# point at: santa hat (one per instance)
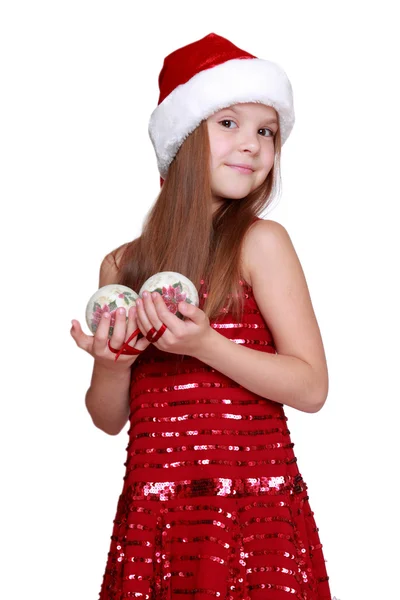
(202, 78)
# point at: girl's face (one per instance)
(241, 134)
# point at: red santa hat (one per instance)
(205, 76)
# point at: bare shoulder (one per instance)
(265, 231)
(109, 266)
(282, 295)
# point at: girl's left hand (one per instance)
(180, 337)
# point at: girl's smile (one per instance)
(241, 169)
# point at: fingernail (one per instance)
(145, 294)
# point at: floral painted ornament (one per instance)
(108, 299)
(174, 288)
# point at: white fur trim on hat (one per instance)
(232, 82)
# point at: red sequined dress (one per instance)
(213, 504)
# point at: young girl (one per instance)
(213, 504)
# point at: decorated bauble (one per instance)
(174, 288)
(108, 299)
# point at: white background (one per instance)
(78, 174)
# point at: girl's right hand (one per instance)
(97, 345)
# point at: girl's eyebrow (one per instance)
(267, 120)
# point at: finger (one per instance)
(172, 322)
(132, 326)
(142, 319)
(83, 341)
(146, 323)
(119, 328)
(101, 335)
(149, 315)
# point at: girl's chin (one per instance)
(232, 194)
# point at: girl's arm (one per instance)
(107, 399)
(297, 375)
(283, 379)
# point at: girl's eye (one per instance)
(227, 121)
(263, 129)
(266, 129)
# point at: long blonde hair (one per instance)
(181, 234)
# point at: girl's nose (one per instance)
(249, 141)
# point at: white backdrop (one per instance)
(78, 174)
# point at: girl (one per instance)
(213, 504)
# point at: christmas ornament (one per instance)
(174, 288)
(108, 299)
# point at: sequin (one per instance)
(213, 504)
